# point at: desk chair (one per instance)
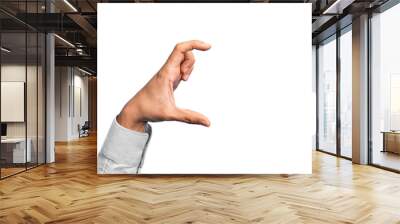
(84, 130)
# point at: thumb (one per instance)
(190, 117)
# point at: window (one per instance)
(385, 89)
(327, 96)
(346, 93)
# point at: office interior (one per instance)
(367, 79)
(48, 82)
(48, 100)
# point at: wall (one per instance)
(62, 80)
(17, 73)
(92, 87)
(34, 124)
(80, 109)
(14, 73)
(71, 102)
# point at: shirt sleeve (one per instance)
(123, 150)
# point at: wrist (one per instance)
(128, 118)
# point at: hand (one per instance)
(155, 101)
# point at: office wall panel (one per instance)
(16, 73)
(71, 102)
(12, 98)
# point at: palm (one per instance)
(178, 68)
(155, 101)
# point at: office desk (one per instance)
(13, 150)
(391, 141)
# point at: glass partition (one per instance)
(22, 77)
(385, 89)
(327, 96)
(346, 93)
(14, 153)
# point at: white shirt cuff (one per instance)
(123, 150)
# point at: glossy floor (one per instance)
(5, 172)
(70, 191)
(387, 159)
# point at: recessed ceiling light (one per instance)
(84, 71)
(70, 5)
(5, 50)
(65, 41)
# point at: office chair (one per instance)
(84, 130)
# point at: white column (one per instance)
(50, 93)
(360, 90)
(50, 99)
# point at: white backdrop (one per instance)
(254, 84)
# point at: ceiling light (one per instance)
(70, 5)
(5, 50)
(79, 51)
(84, 71)
(65, 41)
(338, 6)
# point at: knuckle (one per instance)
(178, 46)
(188, 119)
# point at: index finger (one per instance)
(178, 54)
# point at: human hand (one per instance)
(155, 101)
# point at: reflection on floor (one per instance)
(346, 152)
(13, 169)
(10, 171)
(70, 191)
(386, 159)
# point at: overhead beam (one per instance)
(49, 22)
(322, 20)
(84, 24)
(84, 61)
(15, 18)
(332, 29)
(338, 6)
